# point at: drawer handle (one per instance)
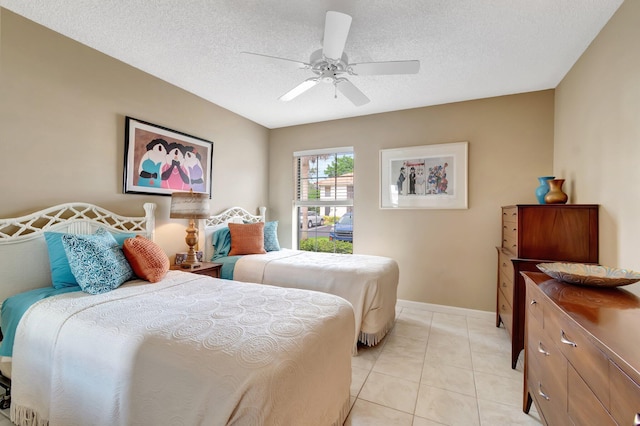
(563, 339)
(542, 394)
(533, 302)
(514, 229)
(541, 349)
(504, 264)
(504, 284)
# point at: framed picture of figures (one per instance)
(159, 161)
(424, 177)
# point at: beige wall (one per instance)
(446, 256)
(62, 114)
(62, 109)
(597, 135)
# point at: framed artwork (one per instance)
(424, 177)
(160, 161)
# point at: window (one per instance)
(324, 200)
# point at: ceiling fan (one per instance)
(330, 63)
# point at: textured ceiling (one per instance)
(468, 49)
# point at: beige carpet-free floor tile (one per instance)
(438, 368)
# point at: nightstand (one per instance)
(207, 268)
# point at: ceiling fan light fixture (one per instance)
(299, 89)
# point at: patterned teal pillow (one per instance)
(271, 236)
(61, 275)
(97, 261)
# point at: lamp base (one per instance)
(191, 262)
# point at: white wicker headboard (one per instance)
(233, 215)
(24, 259)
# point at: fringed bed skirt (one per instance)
(372, 339)
(24, 416)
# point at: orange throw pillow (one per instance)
(246, 238)
(148, 261)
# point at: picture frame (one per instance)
(182, 256)
(160, 161)
(424, 177)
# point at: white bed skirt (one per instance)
(368, 283)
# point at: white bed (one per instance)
(189, 349)
(368, 283)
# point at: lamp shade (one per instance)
(189, 205)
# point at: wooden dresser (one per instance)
(535, 233)
(582, 363)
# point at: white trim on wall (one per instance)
(321, 151)
(445, 309)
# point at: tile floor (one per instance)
(435, 368)
(438, 368)
(4, 418)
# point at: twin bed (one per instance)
(369, 283)
(188, 349)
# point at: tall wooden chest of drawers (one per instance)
(582, 365)
(535, 233)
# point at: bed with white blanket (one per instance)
(368, 282)
(188, 349)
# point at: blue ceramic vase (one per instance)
(542, 190)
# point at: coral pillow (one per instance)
(146, 258)
(246, 238)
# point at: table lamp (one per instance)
(190, 205)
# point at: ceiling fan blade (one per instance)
(336, 30)
(351, 92)
(385, 68)
(299, 89)
(275, 59)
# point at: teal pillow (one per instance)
(121, 237)
(96, 261)
(221, 240)
(61, 275)
(271, 236)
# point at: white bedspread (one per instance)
(189, 350)
(369, 283)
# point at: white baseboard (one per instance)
(446, 309)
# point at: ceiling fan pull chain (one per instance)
(335, 90)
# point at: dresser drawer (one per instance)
(533, 380)
(625, 396)
(583, 406)
(580, 352)
(505, 264)
(550, 404)
(510, 229)
(510, 214)
(506, 286)
(506, 312)
(535, 304)
(510, 244)
(543, 353)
